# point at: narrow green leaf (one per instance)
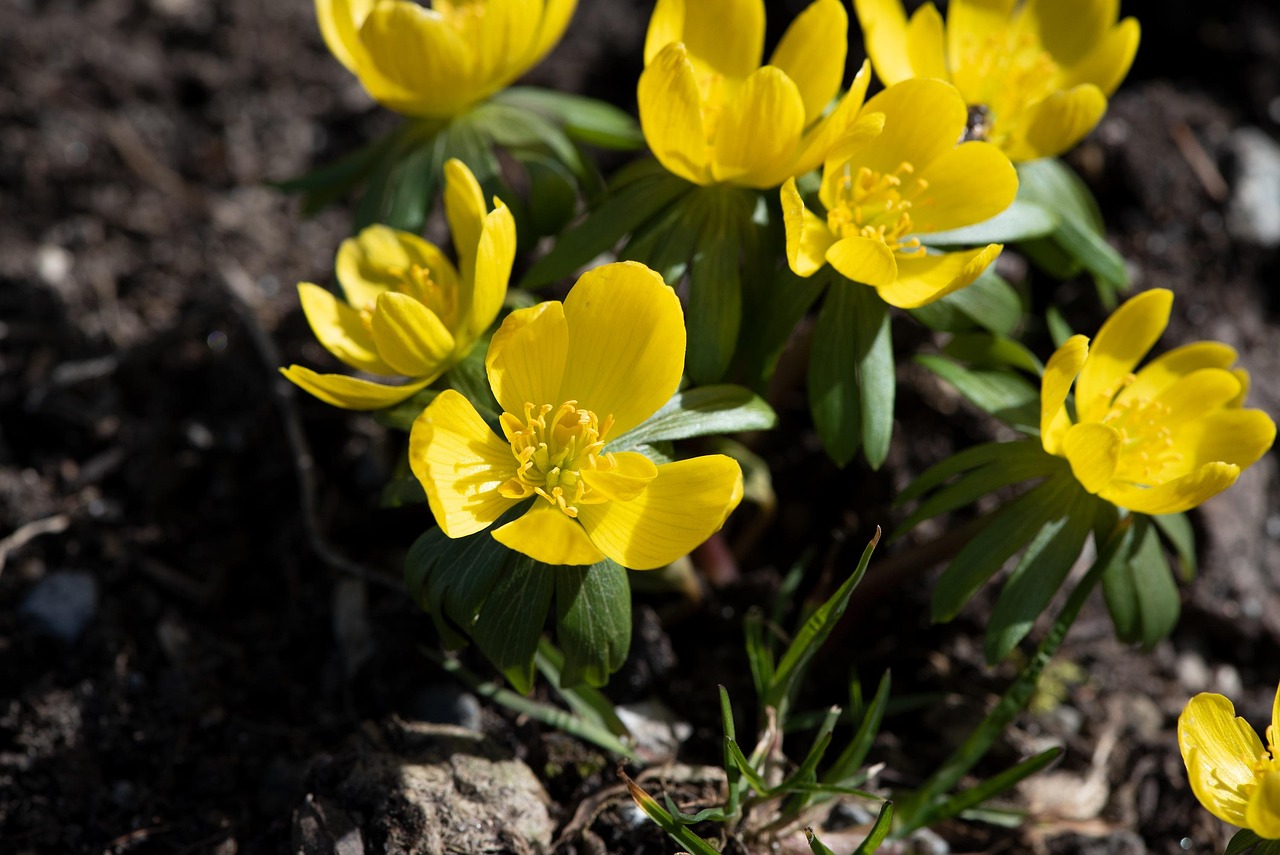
(879, 831)
(1059, 329)
(404, 414)
(1176, 529)
(679, 816)
(682, 835)
(553, 194)
(733, 779)
(758, 784)
(450, 579)
(969, 458)
(834, 400)
(593, 621)
(877, 384)
(1005, 395)
(770, 322)
(1008, 531)
(622, 212)
(807, 771)
(1158, 602)
(815, 845)
(759, 653)
(811, 637)
(1041, 571)
(1080, 232)
(980, 482)
(989, 303)
(471, 379)
(588, 703)
(1022, 220)
(988, 350)
(522, 131)
(413, 187)
(995, 785)
(850, 761)
(585, 119)
(510, 622)
(714, 313)
(703, 411)
(1243, 840)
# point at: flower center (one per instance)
(878, 205)
(1147, 451)
(415, 281)
(1002, 75)
(552, 447)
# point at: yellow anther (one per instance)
(552, 450)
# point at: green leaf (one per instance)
(703, 411)
(1008, 530)
(969, 458)
(770, 322)
(759, 653)
(876, 381)
(625, 210)
(1022, 220)
(815, 845)
(995, 785)
(879, 831)
(1176, 529)
(585, 119)
(987, 350)
(811, 637)
(404, 414)
(413, 187)
(593, 621)
(834, 400)
(757, 784)
(587, 703)
(450, 579)
(553, 194)
(329, 183)
(850, 761)
(1041, 571)
(980, 482)
(1140, 591)
(694, 844)
(1080, 233)
(510, 622)
(524, 132)
(470, 378)
(989, 302)
(1243, 840)
(714, 308)
(1005, 395)
(1059, 329)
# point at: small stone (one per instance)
(62, 603)
(445, 703)
(1253, 211)
(1192, 672)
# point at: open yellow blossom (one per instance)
(1035, 74)
(570, 377)
(408, 311)
(712, 114)
(1233, 776)
(436, 62)
(883, 190)
(1158, 441)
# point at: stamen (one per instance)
(552, 452)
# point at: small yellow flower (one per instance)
(712, 114)
(1035, 74)
(1159, 441)
(436, 62)
(570, 377)
(1233, 776)
(408, 311)
(900, 176)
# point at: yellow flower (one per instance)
(437, 62)
(882, 188)
(1036, 74)
(409, 312)
(571, 376)
(1158, 441)
(712, 114)
(1232, 775)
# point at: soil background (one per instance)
(200, 605)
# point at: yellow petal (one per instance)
(1243, 376)
(726, 36)
(380, 258)
(1093, 450)
(972, 22)
(427, 68)
(409, 337)
(865, 260)
(1230, 436)
(925, 43)
(759, 131)
(1273, 734)
(1059, 374)
(461, 463)
(968, 184)
(808, 237)
(1068, 29)
(687, 502)
(340, 25)
(555, 18)
(812, 53)
(466, 212)
(884, 29)
(548, 535)
(1196, 394)
(923, 120)
(526, 357)
(1263, 813)
(632, 472)
(504, 42)
(867, 127)
(339, 328)
(1050, 127)
(351, 393)
(1176, 496)
(926, 278)
(842, 121)
(1106, 65)
(1124, 339)
(1163, 371)
(671, 115)
(626, 343)
(1219, 750)
(494, 257)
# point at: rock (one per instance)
(1253, 211)
(62, 603)
(423, 789)
(445, 703)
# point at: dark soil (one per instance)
(233, 615)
